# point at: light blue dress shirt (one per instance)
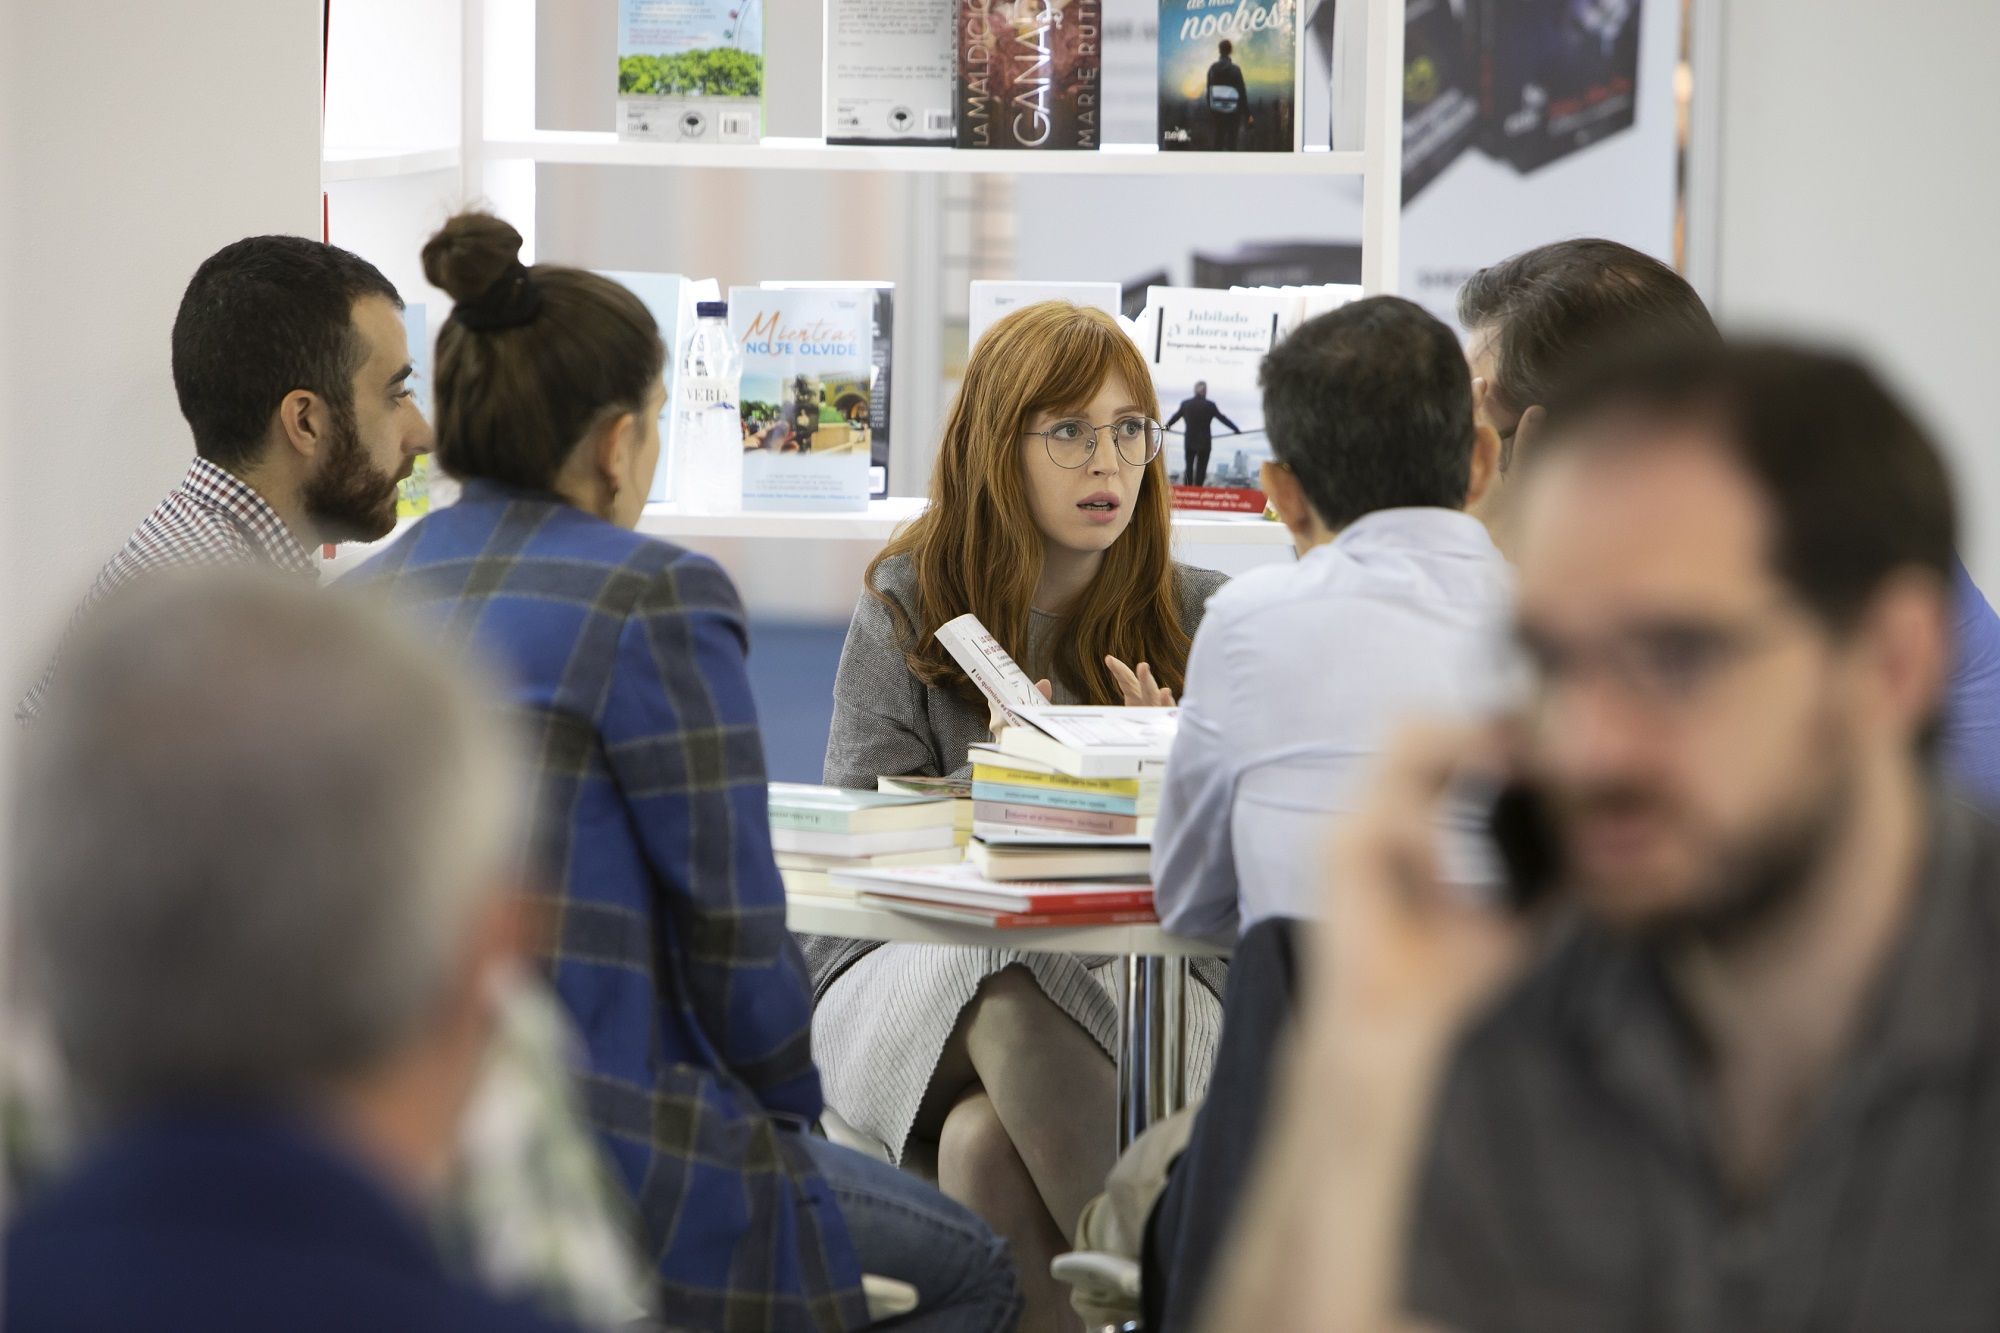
(1297, 680)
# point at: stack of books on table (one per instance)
(818, 830)
(960, 893)
(1070, 793)
(957, 790)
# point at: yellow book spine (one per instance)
(1015, 777)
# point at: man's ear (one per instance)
(1288, 498)
(1485, 468)
(1525, 434)
(307, 423)
(1907, 633)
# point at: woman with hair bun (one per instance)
(1050, 520)
(625, 658)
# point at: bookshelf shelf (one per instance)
(354, 164)
(594, 148)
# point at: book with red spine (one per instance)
(963, 886)
(976, 916)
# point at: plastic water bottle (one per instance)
(708, 431)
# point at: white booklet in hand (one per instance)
(981, 657)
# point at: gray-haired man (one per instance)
(265, 854)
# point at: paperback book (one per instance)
(1030, 73)
(1087, 741)
(691, 71)
(832, 810)
(889, 71)
(1228, 75)
(988, 665)
(990, 300)
(806, 396)
(1555, 76)
(882, 358)
(1204, 348)
(963, 886)
(670, 299)
(992, 919)
(1008, 864)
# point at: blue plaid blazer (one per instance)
(668, 942)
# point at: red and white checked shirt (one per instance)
(212, 518)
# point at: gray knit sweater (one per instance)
(886, 722)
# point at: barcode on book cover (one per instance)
(738, 124)
(937, 122)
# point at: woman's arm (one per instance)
(879, 728)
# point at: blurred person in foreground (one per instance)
(291, 368)
(1748, 1077)
(265, 881)
(1539, 316)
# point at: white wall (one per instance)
(1856, 198)
(114, 196)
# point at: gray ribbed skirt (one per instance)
(882, 1024)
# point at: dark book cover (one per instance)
(1228, 75)
(1440, 89)
(1555, 76)
(1030, 73)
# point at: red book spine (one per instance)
(1029, 920)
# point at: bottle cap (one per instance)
(711, 309)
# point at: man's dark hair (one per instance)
(1558, 306)
(263, 317)
(1226, 47)
(1370, 407)
(1856, 488)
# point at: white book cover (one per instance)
(808, 379)
(980, 656)
(990, 300)
(882, 325)
(1204, 348)
(691, 71)
(889, 73)
(1091, 742)
(670, 299)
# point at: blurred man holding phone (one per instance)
(1739, 1071)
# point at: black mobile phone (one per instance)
(1524, 834)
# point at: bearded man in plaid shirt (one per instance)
(291, 364)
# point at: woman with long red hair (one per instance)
(1050, 520)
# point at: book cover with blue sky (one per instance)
(1241, 100)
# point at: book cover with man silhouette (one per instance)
(691, 71)
(1030, 73)
(1228, 81)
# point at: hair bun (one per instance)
(469, 253)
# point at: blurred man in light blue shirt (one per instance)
(1300, 673)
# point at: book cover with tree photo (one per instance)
(691, 71)
(806, 396)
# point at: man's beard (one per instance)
(348, 499)
(1755, 879)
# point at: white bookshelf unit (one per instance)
(462, 128)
